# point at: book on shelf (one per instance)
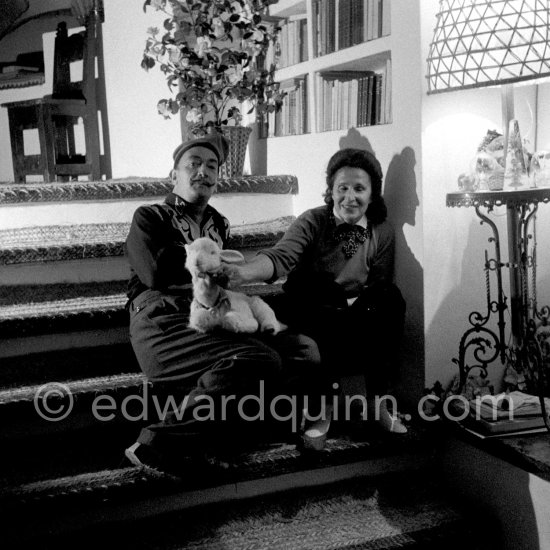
(385, 18)
(10, 69)
(374, 19)
(339, 24)
(377, 99)
(22, 75)
(349, 98)
(387, 86)
(292, 118)
(326, 25)
(293, 41)
(344, 24)
(344, 74)
(356, 22)
(367, 98)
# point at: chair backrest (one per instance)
(81, 46)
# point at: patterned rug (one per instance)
(383, 513)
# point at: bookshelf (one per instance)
(338, 54)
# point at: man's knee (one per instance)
(308, 349)
(296, 347)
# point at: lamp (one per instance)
(480, 43)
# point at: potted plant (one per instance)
(211, 53)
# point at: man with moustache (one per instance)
(182, 364)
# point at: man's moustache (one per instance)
(203, 181)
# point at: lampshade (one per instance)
(488, 42)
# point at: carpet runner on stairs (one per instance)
(62, 505)
(28, 310)
(392, 511)
(76, 242)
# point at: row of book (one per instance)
(348, 99)
(13, 71)
(344, 99)
(292, 118)
(292, 41)
(339, 24)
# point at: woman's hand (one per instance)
(234, 274)
(260, 268)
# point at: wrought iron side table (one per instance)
(484, 344)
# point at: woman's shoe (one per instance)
(391, 423)
(315, 433)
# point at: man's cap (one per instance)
(215, 142)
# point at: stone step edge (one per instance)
(83, 313)
(130, 188)
(86, 241)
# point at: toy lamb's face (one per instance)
(203, 256)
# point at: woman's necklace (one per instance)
(351, 235)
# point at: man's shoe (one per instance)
(176, 466)
(144, 456)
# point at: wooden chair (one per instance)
(55, 116)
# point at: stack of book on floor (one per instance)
(505, 413)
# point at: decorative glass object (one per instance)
(489, 173)
(539, 170)
(468, 183)
(515, 174)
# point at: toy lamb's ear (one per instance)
(232, 257)
(186, 246)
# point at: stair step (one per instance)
(76, 242)
(38, 310)
(75, 388)
(116, 200)
(83, 499)
(132, 188)
(35, 369)
(95, 252)
(386, 512)
(76, 404)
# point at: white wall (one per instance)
(141, 140)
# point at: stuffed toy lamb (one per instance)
(215, 307)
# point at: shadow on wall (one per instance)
(469, 294)
(402, 200)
